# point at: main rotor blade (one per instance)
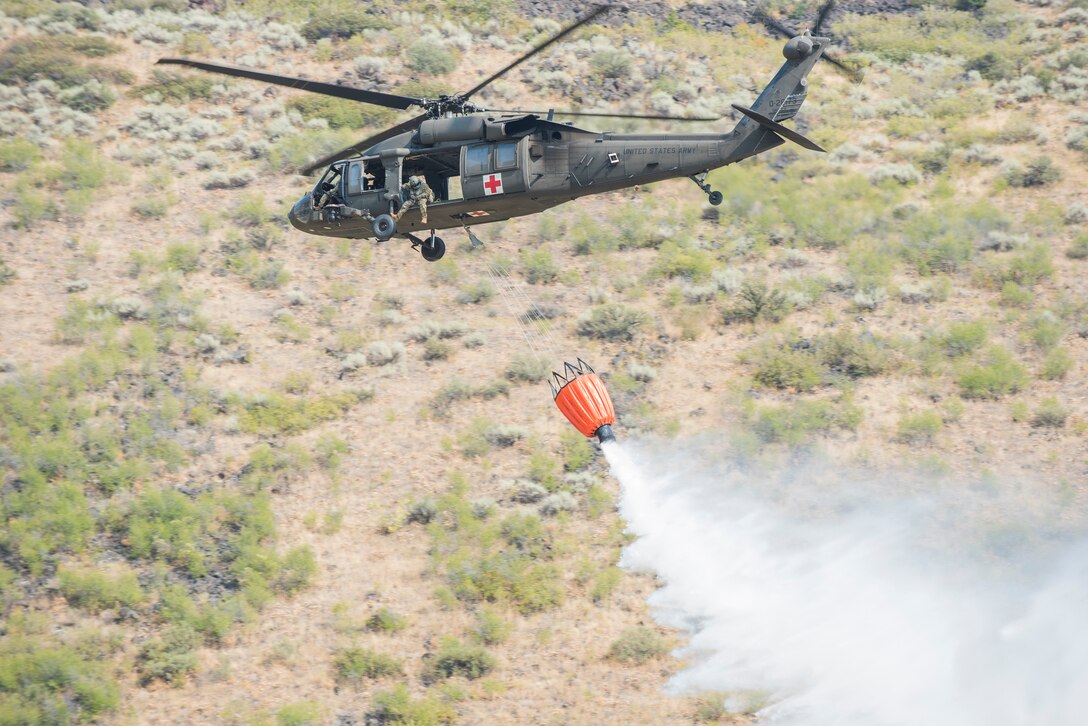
(762, 16)
(600, 9)
(605, 115)
(389, 100)
(852, 73)
(364, 144)
(821, 16)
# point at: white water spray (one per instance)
(850, 618)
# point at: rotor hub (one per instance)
(447, 105)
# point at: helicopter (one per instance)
(487, 166)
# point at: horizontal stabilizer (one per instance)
(779, 129)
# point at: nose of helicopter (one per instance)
(300, 213)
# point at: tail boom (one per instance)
(760, 129)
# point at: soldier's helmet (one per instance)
(415, 181)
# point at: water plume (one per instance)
(848, 607)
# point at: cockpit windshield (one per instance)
(330, 180)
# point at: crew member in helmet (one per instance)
(418, 194)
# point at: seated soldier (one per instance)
(418, 194)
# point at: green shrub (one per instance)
(756, 302)
(33, 59)
(291, 153)
(151, 207)
(18, 154)
(297, 570)
(1057, 364)
(637, 646)
(920, 428)
(477, 293)
(1077, 251)
(429, 59)
(177, 87)
(1050, 414)
(422, 512)
(182, 257)
(1014, 296)
(42, 682)
(355, 664)
(279, 413)
(853, 355)
(785, 368)
(341, 24)
(490, 628)
(605, 583)
(167, 524)
(6, 273)
(252, 210)
(680, 260)
(95, 591)
(539, 267)
(170, 658)
(998, 376)
(386, 621)
(1038, 172)
(1030, 265)
(435, 349)
(305, 713)
(1046, 330)
(528, 368)
(398, 708)
(455, 659)
(330, 450)
(451, 393)
(339, 112)
(963, 338)
(611, 63)
(611, 321)
(577, 452)
(794, 423)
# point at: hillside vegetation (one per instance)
(251, 476)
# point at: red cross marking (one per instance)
(493, 185)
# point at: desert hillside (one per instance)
(254, 476)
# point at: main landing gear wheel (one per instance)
(433, 249)
(715, 198)
(384, 227)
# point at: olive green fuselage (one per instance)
(490, 168)
(555, 164)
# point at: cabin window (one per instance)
(477, 160)
(506, 155)
(355, 175)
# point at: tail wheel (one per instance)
(384, 226)
(433, 249)
(716, 198)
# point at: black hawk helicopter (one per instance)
(490, 166)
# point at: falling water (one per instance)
(850, 614)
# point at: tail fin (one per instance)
(760, 129)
